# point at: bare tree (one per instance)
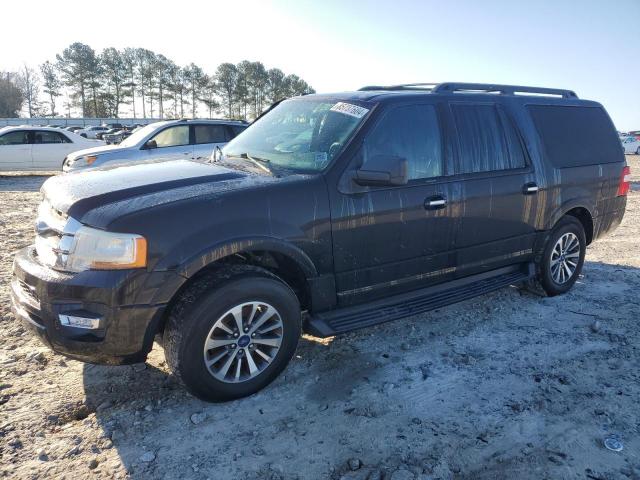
(51, 84)
(11, 98)
(30, 86)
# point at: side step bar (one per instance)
(333, 322)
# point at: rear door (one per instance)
(498, 185)
(49, 149)
(393, 239)
(15, 151)
(206, 138)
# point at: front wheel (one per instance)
(563, 257)
(232, 333)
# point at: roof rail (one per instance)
(452, 87)
(402, 86)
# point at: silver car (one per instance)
(169, 140)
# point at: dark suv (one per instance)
(328, 214)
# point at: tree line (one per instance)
(144, 83)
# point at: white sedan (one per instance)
(91, 132)
(631, 144)
(38, 148)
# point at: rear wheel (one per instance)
(232, 333)
(563, 257)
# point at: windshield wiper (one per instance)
(257, 161)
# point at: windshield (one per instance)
(299, 135)
(138, 135)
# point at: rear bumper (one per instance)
(125, 330)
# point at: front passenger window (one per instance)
(410, 132)
(15, 138)
(173, 137)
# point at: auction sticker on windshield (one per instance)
(350, 109)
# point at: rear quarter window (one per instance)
(576, 136)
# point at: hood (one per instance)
(95, 150)
(123, 189)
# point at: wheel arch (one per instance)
(286, 261)
(579, 211)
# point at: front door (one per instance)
(15, 151)
(394, 239)
(498, 186)
(172, 143)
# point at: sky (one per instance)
(589, 46)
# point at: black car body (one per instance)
(356, 251)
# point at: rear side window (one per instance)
(488, 140)
(236, 130)
(410, 132)
(45, 136)
(575, 136)
(210, 133)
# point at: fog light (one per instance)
(79, 322)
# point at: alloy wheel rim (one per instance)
(564, 258)
(243, 342)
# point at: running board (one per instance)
(333, 322)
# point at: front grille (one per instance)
(54, 235)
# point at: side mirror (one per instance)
(150, 145)
(383, 170)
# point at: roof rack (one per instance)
(452, 87)
(402, 86)
(501, 89)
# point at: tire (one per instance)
(638, 151)
(556, 280)
(204, 314)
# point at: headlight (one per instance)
(82, 161)
(93, 249)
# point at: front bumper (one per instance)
(126, 329)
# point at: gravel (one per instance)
(507, 385)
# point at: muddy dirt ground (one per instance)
(508, 385)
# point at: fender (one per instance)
(247, 244)
(561, 211)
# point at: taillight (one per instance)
(625, 181)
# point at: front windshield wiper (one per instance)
(257, 161)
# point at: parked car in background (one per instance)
(100, 135)
(635, 133)
(74, 128)
(118, 136)
(37, 148)
(91, 132)
(631, 144)
(330, 213)
(161, 141)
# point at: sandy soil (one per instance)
(508, 385)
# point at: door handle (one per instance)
(530, 188)
(435, 203)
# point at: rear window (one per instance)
(575, 136)
(210, 134)
(488, 140)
